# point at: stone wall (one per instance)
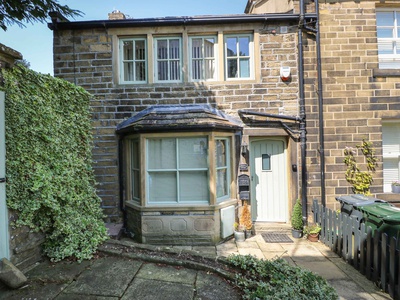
(85, 57)
(25, 245)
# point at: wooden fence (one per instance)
(374, 254)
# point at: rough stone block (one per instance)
(11, 275)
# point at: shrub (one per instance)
(276, 279)
(245, 218)
(360, 180)
(297, 216)
(50, 181)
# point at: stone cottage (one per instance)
(194, 115)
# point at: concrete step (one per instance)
(272, 227)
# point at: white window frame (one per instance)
(168, 60)
(390, 154)
(203, 59)
(133, 61)
(226, 167)
(390, 61)
(250, 56)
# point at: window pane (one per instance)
(244, 46)
(231, 46)
(384, 18)
(209, 68)
(174, 70)
(209, 47)
(220, 150)
(385, 47)
(140, 71)
(128, 50)
(140, 52)
(244, 68)
(266, 162)
(385, 33)
(196, 69)
(232, 68)
(193, 186)
(135, 155)
(128, 71)
(174, 49)
(162, 153)
(162, 70)
(162, 49)
(196, 48)
(222, 185)
(193, 153)
(162, 187)
(135, 184)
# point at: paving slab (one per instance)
(167, 273)
(108, 276)
(209, 287)
(251, 251)
(303, 252)
(349, 290)
(64, 271)
(34, 290)
(151, 289)
(325, 269)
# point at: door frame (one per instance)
(252, 171)
(4, 233)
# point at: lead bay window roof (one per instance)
(178, 117)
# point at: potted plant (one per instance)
(245, 220)
(312, 232)
(396, 187)
(297, 220)
(239, 232)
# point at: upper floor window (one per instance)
(206, 58)
(203, 64)
(238, 56)
(168, 59)
(388, 31)
(134, 62)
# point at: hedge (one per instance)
(50, 180)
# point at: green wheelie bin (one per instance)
(383, 217)
(349, 204)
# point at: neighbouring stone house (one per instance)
(193, 114)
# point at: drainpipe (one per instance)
(320, 109)
(302, 114)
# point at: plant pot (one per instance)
(396, 189)
(296, 233)
(239, 236)
(313, 237)
(248, 233)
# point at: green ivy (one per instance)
(276, 279)
(50, 181)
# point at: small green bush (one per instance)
(50, 181)
(277, 280)
(297, 216)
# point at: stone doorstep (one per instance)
(114, 230)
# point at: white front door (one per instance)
(269, 195)
(4, 237)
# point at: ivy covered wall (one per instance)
(50, 183)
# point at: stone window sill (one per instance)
(386, 72)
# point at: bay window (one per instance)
(177, 170)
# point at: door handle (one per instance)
(2, 180)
